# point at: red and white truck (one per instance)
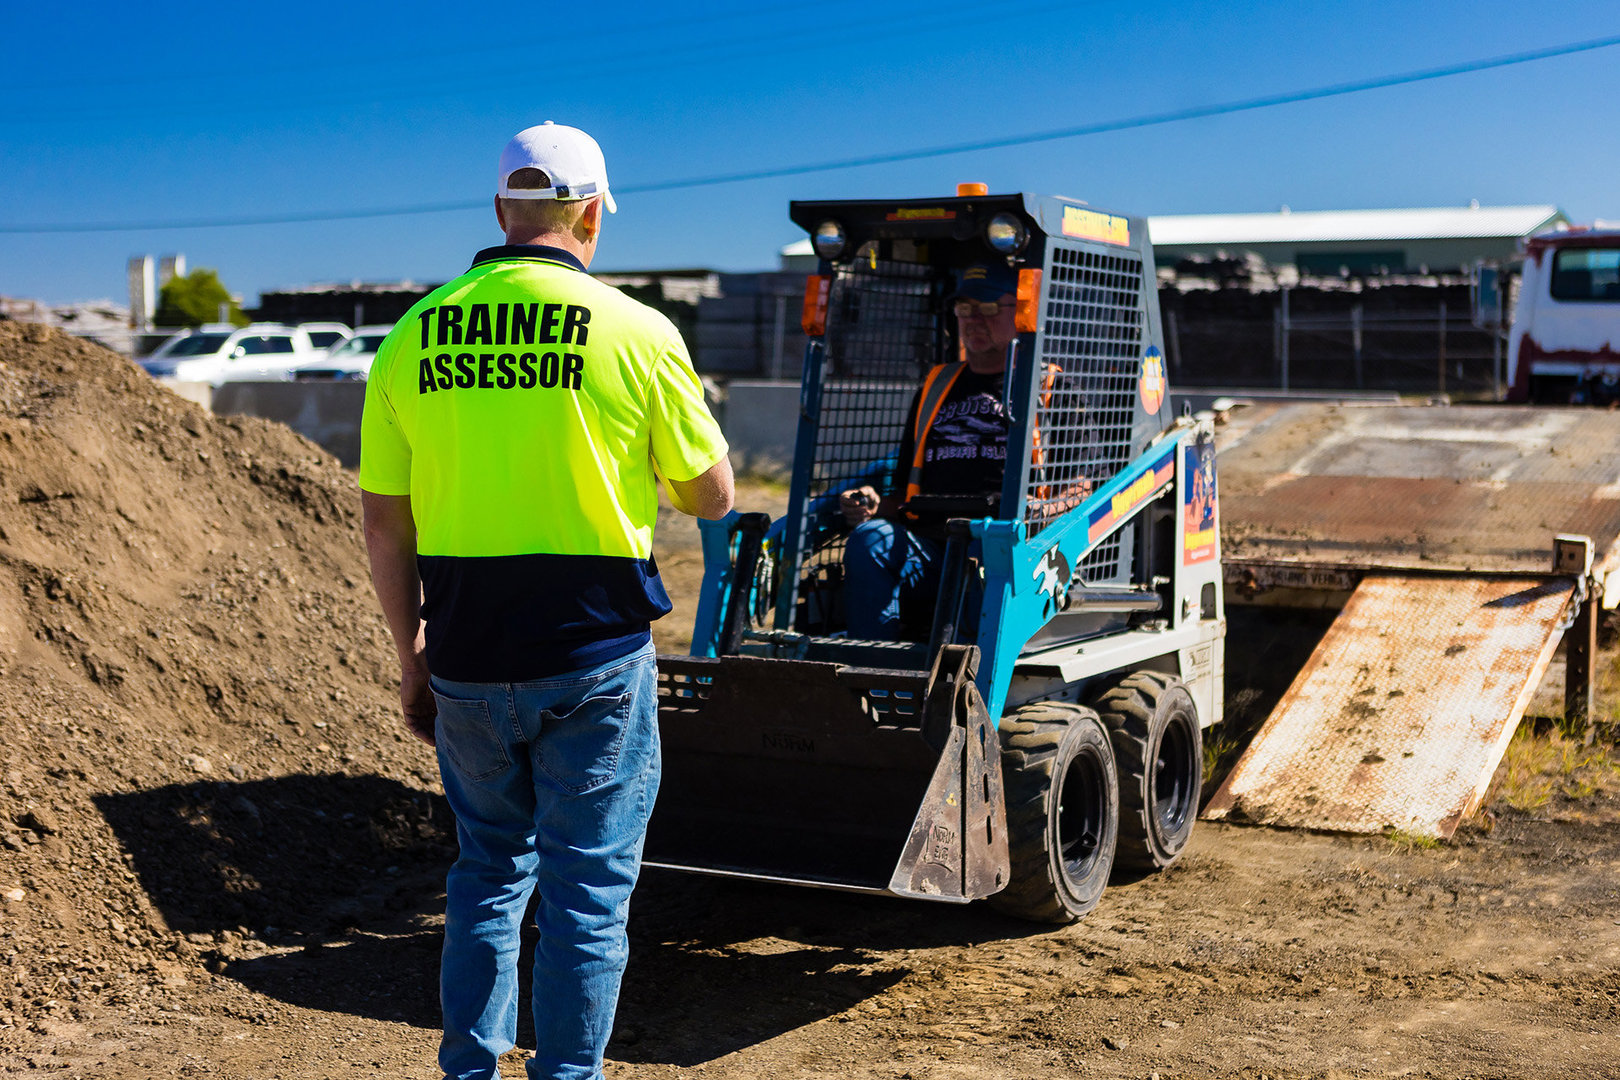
(1564, 346)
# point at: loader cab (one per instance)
(1084, 386)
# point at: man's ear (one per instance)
(500, 214)
(591, 220)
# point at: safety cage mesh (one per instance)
(884, 330)
(883, 333)
(1090, 353)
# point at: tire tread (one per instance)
(1127, 711)
(1031, 740)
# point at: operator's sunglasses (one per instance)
(988, 309)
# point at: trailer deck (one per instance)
(1471, 489)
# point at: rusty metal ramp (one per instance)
(1402, 714)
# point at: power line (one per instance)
(1150, 120)
(1196, 112)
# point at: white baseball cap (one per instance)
(568, 156)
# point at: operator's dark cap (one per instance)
(986, 281)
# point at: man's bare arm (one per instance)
(391, 544)
(709, 495)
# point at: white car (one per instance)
(350, 360)
(326, 336)
(215, 354)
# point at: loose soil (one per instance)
(220, 855)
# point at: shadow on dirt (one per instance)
(326, 893)
(718, 965)
(392, 977)
(348, 868)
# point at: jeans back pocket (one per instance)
(467, 736)
(578, 750)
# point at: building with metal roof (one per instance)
(1429, 240)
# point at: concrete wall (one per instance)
(761, 421)
(199, 393)
(326, 413)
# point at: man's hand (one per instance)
(858, 504)
(416, 699)
(391, 544)
(1064, 501)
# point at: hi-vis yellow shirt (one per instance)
(524, 408)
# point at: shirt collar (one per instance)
(537, 252)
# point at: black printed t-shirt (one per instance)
(965, 452)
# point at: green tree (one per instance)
(195, 299)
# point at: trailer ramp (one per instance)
(1402, 714)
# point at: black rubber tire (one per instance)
(1062, 811)
(1159, 749)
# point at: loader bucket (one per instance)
(825, 774)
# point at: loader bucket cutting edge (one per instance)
(862, 779)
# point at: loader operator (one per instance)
(955, 444)
(892, 557)
(513, 424)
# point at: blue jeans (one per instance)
(883, 562)
(552, 783)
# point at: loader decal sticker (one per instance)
(1150, 383)
(912, 213)
(1127, 499)
(1083, 224)
(1051, 576)
(1198, 504)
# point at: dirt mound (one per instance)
(197, 710)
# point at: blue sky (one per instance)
(130, 114)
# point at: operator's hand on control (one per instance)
(858, 504)
(1065, 500)
(416, 698)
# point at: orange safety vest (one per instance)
(936, 388)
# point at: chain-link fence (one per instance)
(1267, 341)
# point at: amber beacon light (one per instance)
(814, 319)
(965, 191)
(1029, 300)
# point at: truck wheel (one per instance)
(1159, 748)
(1062, 811)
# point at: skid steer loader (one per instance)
(1043, 724)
